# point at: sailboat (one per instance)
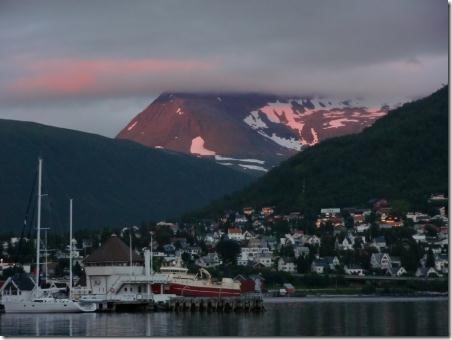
(36, 301)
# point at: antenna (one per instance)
(130, 246)
(38, 237)
(46, 252)
(70, 248)
(152, 257)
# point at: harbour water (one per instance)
(339, 316)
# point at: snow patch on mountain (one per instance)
(278, 111)
(291, 143)
(246, 160)
(132, 126)
(197, 147)
(253, 167)
(309, 118)
(254, 121)
(336, 123)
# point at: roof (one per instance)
(234, 231)
(320, 263)
(114, 250)
(329, 259)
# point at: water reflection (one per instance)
(305, 317)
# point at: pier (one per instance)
(210, 304)
(246, 304)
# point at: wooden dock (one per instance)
(211, 304)
(243, 303)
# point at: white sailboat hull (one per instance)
(47, 306)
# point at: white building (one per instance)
(111, 277)
(286, 265)
(235, 234)
(261, 255)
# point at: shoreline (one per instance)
(355, 298)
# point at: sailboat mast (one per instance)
(46, 254)
(38, 237)
(152, 257)
(70, 248)
(130, 246)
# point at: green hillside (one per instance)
(403, 156)
(113, 182)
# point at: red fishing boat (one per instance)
(180, 282)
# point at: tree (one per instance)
(431, 230)
(409, 255)
(327, 246)
(304, 264)
(228, 250)
(430, 262)
(61, 266)
(186, 257)
(11, 271)
(374, 230)
(400, 207)
(77, 269)
(163, 235)
(287, 251)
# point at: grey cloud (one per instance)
(373, 48)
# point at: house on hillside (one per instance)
(312, 240)
(267, 211)
(354, 270)
(442, 263)
(235, 234)
(395, 270)
(322, 265)
(427, 272)
(247, 235)
(286, 265)
(333, 262)
(211, 260)
(319, 266)
(248, 211)
(344, 243)
(360, 228)
(380, 261)
(301, 251)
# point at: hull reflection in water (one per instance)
(370, 317)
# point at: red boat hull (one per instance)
(195, 291)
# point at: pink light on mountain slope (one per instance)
(197, 147)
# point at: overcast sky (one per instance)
(92, 65)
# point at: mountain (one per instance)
(113, 182)
(247, 131)
(403, 156)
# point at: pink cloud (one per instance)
(55, 78)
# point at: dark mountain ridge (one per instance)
(113, 182)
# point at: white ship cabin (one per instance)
(20, 284)
(110, 273)
(175, 272)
